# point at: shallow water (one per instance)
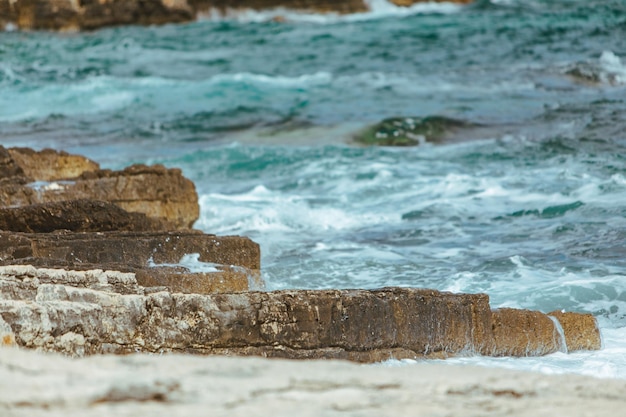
(260, 114)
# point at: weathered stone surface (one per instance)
(227, 264)
(525, 333)
(225, 279)
(76, 216)
(319, 6)
(49, 385)
(93, 14)
(137, 249)
(155, 191)
(8, 167)
(408, 3)
(90, 14)
(98, 312)
(581, 330)
(51, 165)
(88, 312)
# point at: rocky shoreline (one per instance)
(71, 15)
(35, 384)
(91, 262)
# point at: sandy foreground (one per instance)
(36, 384)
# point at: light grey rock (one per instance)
(35, 384)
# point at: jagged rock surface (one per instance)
(87, 312)
(51, 165)
(28, 178)
(77, 216)
(131, 248)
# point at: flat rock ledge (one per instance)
(59, 210)
(35, 384)
(96, 261)
(89, 14)
(93, 312)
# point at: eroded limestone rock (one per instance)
(77, 216)
(224, 264)
(93, 14)
(155, 191)
(525, 333)
(87, 312)
(138, 249)
(580, 330)
(51, 165)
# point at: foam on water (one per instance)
(609, 362)
(192, 262)
(378, 9)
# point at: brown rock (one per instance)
(51, 165)
(408, 3)
(155, 191)
(226, 279)
(92, 14)
(137, 249)
(524, 333)
(8, 167)
(320, 6)
(47, 309)
(581, 330)
(78, 312)
(76, 216)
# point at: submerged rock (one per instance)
(96, 311)
(410, 131)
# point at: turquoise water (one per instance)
(528, 206)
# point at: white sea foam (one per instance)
(192, 262)
(609, 362)
(379, 9)
(305, 80)
(614, 71)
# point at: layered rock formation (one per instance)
(49, 176)
(121, 220)
(89, 266)
(88, 312)
(91, 14)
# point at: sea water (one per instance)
(529, 209)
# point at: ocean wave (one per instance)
(608, 69)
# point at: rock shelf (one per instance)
(96, 311)
(94, 265)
